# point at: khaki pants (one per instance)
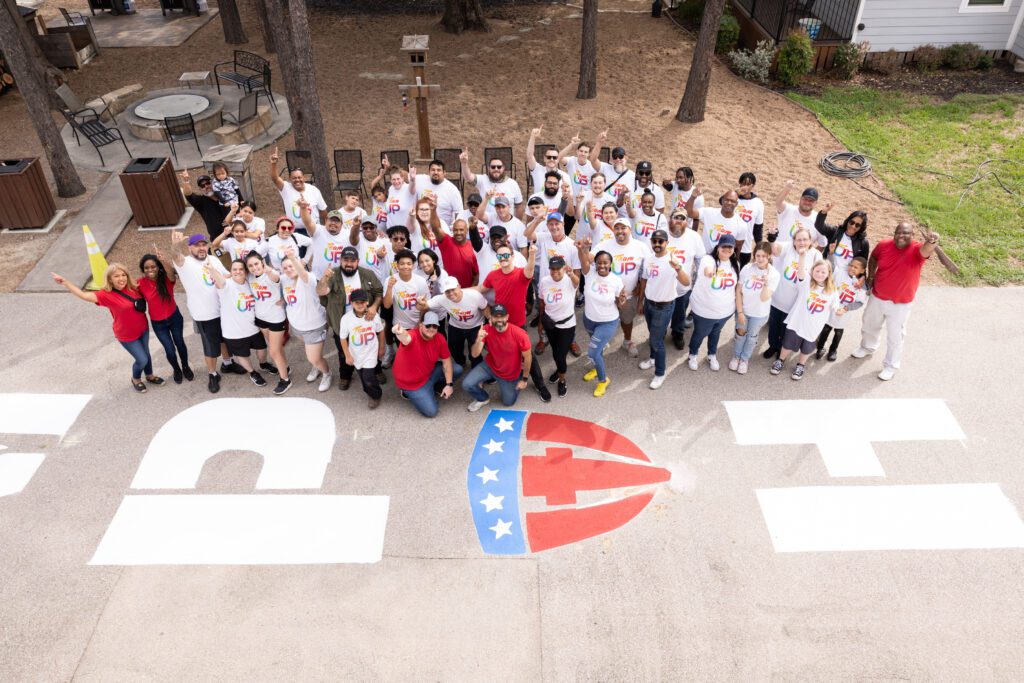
(879, 314)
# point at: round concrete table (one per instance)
(166, 106)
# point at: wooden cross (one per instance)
(417, 47)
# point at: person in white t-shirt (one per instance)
(326, 242)
(401, 196)
(661, 275)
(275, 247)
(591, 206)
(679, 191)
(687, 247)
(422, 223)
(605, 293)
(751, 211)
(619, 177)
(579, 167)
(628, 257)
(554, 194)
(642, 184)
(852, 292)
(238, 319)
(351, 213)
(714, 223)
(486, 254)
(401, 291)
(255, 226)
(466, 309)
(646, 219)
(496, 178)
(556, 296)
(362, 343)
(553, 242)
(715, 298)
(787, 257)
(368, 242)
(307, 318)
(539, 171)
(758, 281)
(794, 216)
(296, 188)
(447, 197)
(816, 300)
(502, 215)
(234, 242)
(265, 283)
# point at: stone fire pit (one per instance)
(145, 118)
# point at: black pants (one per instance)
(836, 338)
(776, 328)
(560, 339)
(460, 343)
(345, 371)
(368, 378)
(535, 373)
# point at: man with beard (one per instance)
(686, 247)
(792, 217)
(366, 238)
(496, 178)
(538, 172)
(621, 178)
(549, 195)
(295, 188)
(679, 191)
(502, 215)
(715, 223)
(326, 242)
(508, 361)
(447, 196)
(338, 286)
(486, 253)
(205, 202)
(643, 183)
(457, 252)
(661, 273)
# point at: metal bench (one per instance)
(95, 132)
(247, 70)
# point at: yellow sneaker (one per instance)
(591, 374)
(600, 388)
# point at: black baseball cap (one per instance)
(618, 153)
(474, 198)
(556, 262)
(659, 235)
(644, 166)
(350, 252)
(359, 295)
(811, 192)
(498, 231)
(499, 310)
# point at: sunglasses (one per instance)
(205, 185)
(497, 168)
(504, 257)
(658, 241)
(554, 158)
(643, 173)
(858, 224)
(285, 227)
(432, 327)
(618, 156)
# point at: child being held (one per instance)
(852, 294)
(224, 185)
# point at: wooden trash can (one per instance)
(153, 192)
(25, 197)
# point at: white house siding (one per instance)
(906, 24)
(1018, 44)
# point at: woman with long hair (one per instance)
(845, 241)
(307, 319)
(605, 293)
(157, 286)
(121, 296)
(715, 298)
(270, 316)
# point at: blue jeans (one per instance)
(140, 352)
(679, 314)
(600, 335)
(169, 332)
(658, 320)
(472, 384)
(709, 328)
(423, 398)
(743, 347)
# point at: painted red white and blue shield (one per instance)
(560, 457)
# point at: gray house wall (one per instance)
(906, 24)
(1018, 44)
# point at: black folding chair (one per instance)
(96, 132)
(502, 153)
(72, 18)
(539, 150)
(396, 157)
(179, 128)
(246, 110)
(449, 156)
(349, 161)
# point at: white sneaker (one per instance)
(887, 373)
(691, 362)
(477, 405)
(713, 360)
(631, 349)
(657, 381)
(325, 382)
(734, 364)
(389, 357)
(647, 364)
(742, 369)
(313, 374)
(861, 352)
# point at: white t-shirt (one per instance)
(269, 304)
(811, 310)
(791, 219)
(579, 175)
(325, 250)
(599, 305)
(420, 239)
(688, 249)
(350, 283)
(257, 225)
(404, 295)
(661, 279)
(713, 225)
(274, 248)
(361, 333)
(537, 176)
(547, 247)
(551, 205)
(368, 257)
(302, 304)
(350, 218)
(644, 225)
(505, 188)
(515, 227)
(380, 212)
(238, 250)
(714, 297)
(627, 261)
(637, 192)
(449, 199)
(590, 214)
(617, 187)
(400, 203)
(677, 199)
(751, 212)
(842, 254)
(848, 295)
(290, 199)
(786, 263)
(754, 281)
(237, 310)
(466, 314)
(200, 292)
(559, 300)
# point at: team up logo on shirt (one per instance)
(755, 283)
(553, 296)
(678, 254)
(407, 300)
(623, 264)
(296, 211)
(844, 252)
(599, 288)
(847, 294)
(463, 315)
(790, 272)
(652, 271)
(716, 232)
(370, 257)
(394, 206)
(245, 302)
(745, 213)
(290, 297)
(723, 279)
(580, 179)
(793, 228)
(816, 303)
(381, 212)
(361, 335)
(207, 280)
(644, 228)
(332, 253)
(260, 292)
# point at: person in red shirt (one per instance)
(120, 295)
(508, 360)
(457, 252)
(157, 286)
(894, 273)
(422, 360)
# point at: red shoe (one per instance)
(539, 347)
(574, 349)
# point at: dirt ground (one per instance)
(494, 87)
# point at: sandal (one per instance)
(155, 381)
(139, 386)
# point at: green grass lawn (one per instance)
(910, 135)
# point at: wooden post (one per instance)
(417, 48)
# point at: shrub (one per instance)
(886, 63)
(690, 11)
(756, 65)
(728, 34)
(986, 62)
(847, 61)
(796, 58)
(927, 58)
(961, 56)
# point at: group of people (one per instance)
(439, 290)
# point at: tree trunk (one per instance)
(260, 10)
(691, 107)
(460, 15)
(587, 89)
(303, 99)
(32, 85)
(234, 34)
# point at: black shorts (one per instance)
(273, 327)
(209, 332)
(794, 342)
(241, 347)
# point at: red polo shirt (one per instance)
(505, 350)
(415, 361)
(899, 271)
(510, 292)
(159, 308)
(459, 260)
(129, 324)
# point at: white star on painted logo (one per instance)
(501, 529)
(504, 425)
(493, 447)
(487, 475)
(492, 502)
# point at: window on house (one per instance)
(984, 5)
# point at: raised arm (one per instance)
(293, 255)
(323, 287)
(467, 172)
(583, 248)
(595, 151)
(221, 237)
(75, 289)
(389, 298)
(531, 262)
(218, 279)
(681, 275)
(412, 181)
(478, 345)
(178, 248)
(691, 210)
(567, 150)
(274, 158)
(186, 182)
(780, 200)
(306, 216)
(531, 227)
(531, 161)
(931, 243)
(824, 229)
(401, 334)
